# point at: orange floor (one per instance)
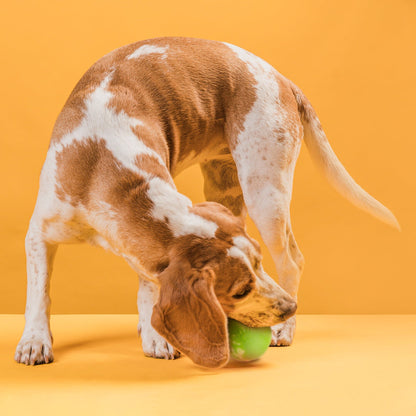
(338, 365)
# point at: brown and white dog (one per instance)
(137, 118)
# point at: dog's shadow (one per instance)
(121, 358)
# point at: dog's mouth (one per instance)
(264, 319)
(259, 320)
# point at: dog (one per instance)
(138, 117)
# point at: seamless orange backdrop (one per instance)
(355, 60)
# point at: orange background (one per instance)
(355, 60)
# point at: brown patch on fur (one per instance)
(151, 136)
(221, 176)
(152, 166)
(304, 107)
(187, 90)
(242, 100)
(229, 225)
(255, 244)
(234, 203)
(233, 278)
(73, 110)
(231, 275)
(189, 316)
(88, 173)
(76, 168)
(69, 118)
(184, 97)
(289, 103)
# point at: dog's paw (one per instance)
(34, 349)
(154, 345)
(282, 334)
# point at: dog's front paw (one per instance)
(282, 334)
(34, 348)
(154, 345)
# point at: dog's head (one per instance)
(209, 279)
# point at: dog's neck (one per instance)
(153, 218)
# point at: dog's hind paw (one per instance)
(282, 334)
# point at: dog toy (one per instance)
(246, 343)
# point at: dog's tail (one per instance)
(323, 155)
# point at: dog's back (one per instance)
(178, 88)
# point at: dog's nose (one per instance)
(288, 310)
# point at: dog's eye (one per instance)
(256, 264)
(242, 292)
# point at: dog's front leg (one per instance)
(35, 346)
(154, 345)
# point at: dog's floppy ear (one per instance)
(189, 316)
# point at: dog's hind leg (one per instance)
(221, 185)
(267, 194)
(265, 152)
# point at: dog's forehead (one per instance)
(242, 244)
(247, 244)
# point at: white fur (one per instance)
(246, 246)
(264, 118)
(35, 345)
(266, 175)
(154, 345)
(282, 334)
(263, 297)
(265, 285)
(102, 122)
(104, 218)
(148, 49)
(237, 253)
(260, 124)
(173, 206)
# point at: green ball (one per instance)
(247, 344)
